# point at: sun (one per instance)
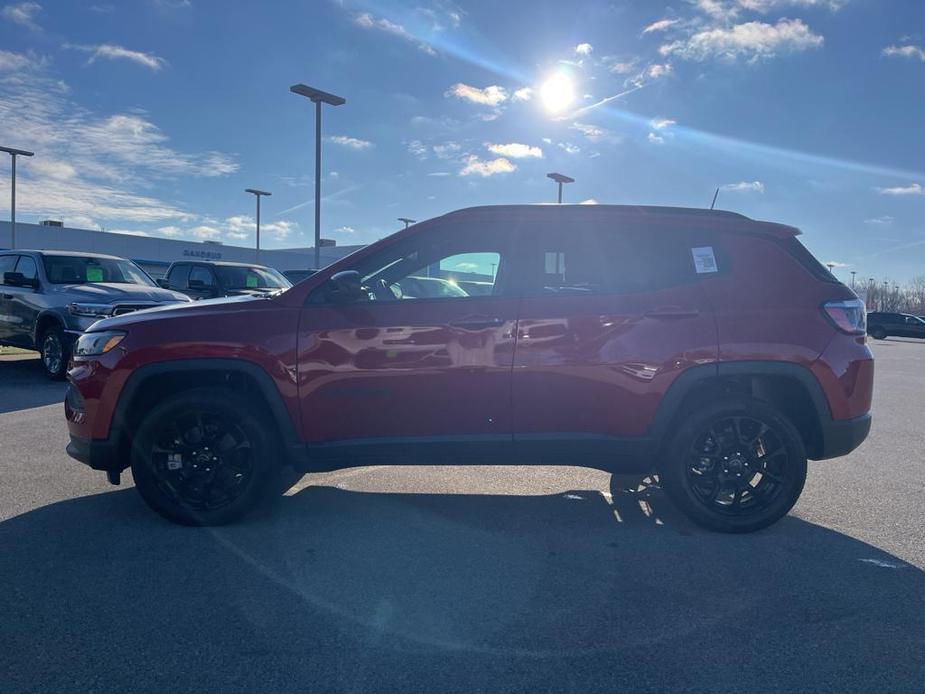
(557, 92)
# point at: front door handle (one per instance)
(670, 312)
(476, 323)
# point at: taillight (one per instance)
(849, 316)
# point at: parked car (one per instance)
(474, 288)
(207, 279)
(48, 298)
(296, 276)
(705, 346)
(429, 288)
(881, 325)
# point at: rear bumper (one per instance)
(841, 436)
(98, 455)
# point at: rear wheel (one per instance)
(878, 333)
(55, 352)
(735, 466)
(202, 458)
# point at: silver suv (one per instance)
(48, 298)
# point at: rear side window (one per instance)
(798, 251)
(26, 267)
(202, 274)
(607, 261)
(178, 276)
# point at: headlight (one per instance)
(94, 344)
(91, 310)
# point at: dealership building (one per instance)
(154, 253)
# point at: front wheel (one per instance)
(55, 353)
(202, 458)
(735, 466)
(878, 333)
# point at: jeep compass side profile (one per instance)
(705, 346)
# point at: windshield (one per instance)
(233, 277)
(67, 269)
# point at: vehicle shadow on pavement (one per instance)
(23, 384)
(343, 590)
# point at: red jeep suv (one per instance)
(705, 346)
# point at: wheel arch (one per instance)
(148, 384)
(43, 321)
(791, 388)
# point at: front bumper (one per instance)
(841, 436)
(98, 455)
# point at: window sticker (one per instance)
(704, 259)
(251, 281)
(94, 274)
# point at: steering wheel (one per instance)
(381, 290)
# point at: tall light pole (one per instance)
(257, 194)
(853, 273)
(560, 179)
(407, 221)
(318, 97)
(13, 154)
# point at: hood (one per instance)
(113, 293)
(203, 309)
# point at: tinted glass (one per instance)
(7, 263)
(594, 261)
(232, 277)
(178, 276)
(201, 274)
(432, 265)
(26, 266)
(64, 269)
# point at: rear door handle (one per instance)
(476, 323)
(669, 312)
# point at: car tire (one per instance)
(734, 466)
(878, 333)
(55, 352)
(201, 457)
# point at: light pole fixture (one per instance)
(853, 273)
(318, 97)
(560, 179)
(257, 194)
(407, 221)
(13, 154)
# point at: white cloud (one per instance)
(660, 25)
(765, 6)
(595, 133)
(205, 232)
(569, 148)
(911, 189)
(589, 201)
(743, 187)
(22, 13)
(368, 21)
(446, 150)
(439, 173)
(109, 51)
(656, 139)
(661, 123)
(489, 96)
(416, 148)
(751, 40)
(17, 62)
(479, 167)
(523, 94)
(351, 142)
(622, 67)
(345, 230)
(243, 226)
(908, 51)
(882, 220)
(657, 70)
(128, 232)
(93, 164)
(169, 230)
(584, 49)
(836, 264)
(515, 150)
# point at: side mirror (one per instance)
(16, 279)
(344, 287)
(162, 283)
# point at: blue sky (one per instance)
(152, 116)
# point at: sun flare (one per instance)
(557, 92)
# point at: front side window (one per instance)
(7, 263)
(234, 277)
(450, 263)
(605, 261)
(26, 267)
(65, 269)
(178, 277)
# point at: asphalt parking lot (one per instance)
(463, 579)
